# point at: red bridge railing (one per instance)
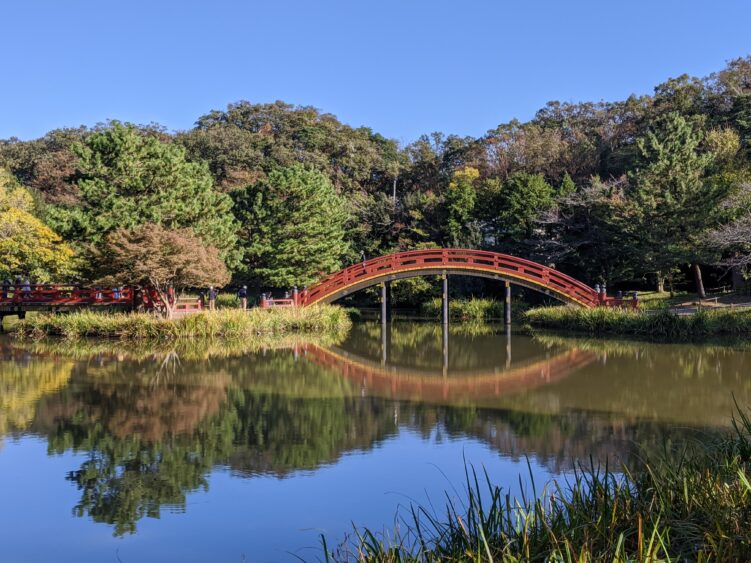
(472, 262)
(63, 295)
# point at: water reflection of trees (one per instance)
(150, 437)
(690, 384)
(23, 382)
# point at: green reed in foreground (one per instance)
(662, 324)
(226, 323)
(692, 505)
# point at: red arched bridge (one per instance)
(451, 261)
(18, 299)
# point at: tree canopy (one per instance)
(620, 191)
(126, 177)
(293, 228)
(152, 256)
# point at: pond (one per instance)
(231, 451)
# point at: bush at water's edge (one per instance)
(225, 323)
(660, 324)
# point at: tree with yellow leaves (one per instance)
(27, 245)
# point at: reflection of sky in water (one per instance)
(264, 517)
(294, 444)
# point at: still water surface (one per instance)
(223, 451)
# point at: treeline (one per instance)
(644, 190)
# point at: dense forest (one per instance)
(647, 191)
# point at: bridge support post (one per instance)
(507, 304)
(389, 306)
(445, 300)
(384, 302)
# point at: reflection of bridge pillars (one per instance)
(385, 338)
(507, 304)
(508, 346)
(445, 323)
(384, 323)
(445, 342)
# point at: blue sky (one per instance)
(401, 67)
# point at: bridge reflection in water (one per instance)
(478, 386)
(150, 429)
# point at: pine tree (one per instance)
(128, 178)
(674, 205)
(292, 228)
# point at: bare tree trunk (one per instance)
(699, 283)
(660, 282)
(168, 308)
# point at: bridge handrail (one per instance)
(449, 258)
(62, 294)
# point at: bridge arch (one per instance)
(449, 261)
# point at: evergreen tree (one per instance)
(513, 210)
(674, 205)
(567, 186)
(127, 178)
(292, 228)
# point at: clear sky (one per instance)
(402, 67)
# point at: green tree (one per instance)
(674, 203)
(567, 186)
(127, 177)
(514, 207)
(247, 141)
(460, 200)
(292, 228)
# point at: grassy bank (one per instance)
(232, 323)
(689, 505)
(654, 324)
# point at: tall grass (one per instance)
(687, 505)
(472, 309)
(232, 323)
(661, 324)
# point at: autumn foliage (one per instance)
(151, 255)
